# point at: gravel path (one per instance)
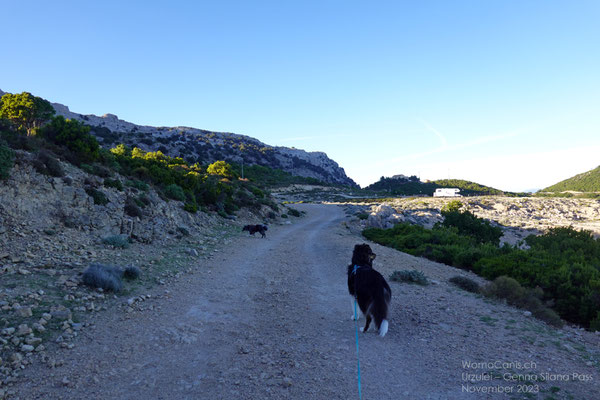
(270, 319)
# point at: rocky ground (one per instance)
(517, 216)
(51, 231)
(269, 318)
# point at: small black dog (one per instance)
(252, 229)
(369, 288)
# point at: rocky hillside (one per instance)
(586, 182)
(206, 147)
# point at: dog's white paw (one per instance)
(362, 329)
(354, 317)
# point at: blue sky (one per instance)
(504, 93)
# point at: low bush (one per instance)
(465, 283)
(116, 241)
(143, 201)
(362, 216)
(131, 208)
(412, 276)
(139, 185)
(174, 192)
(293, 212)
(191, 207)
(98, 196)
(7, 157)
(114, 183)
(513, 293)
(468, 224)
(106, 277)
(47, 164)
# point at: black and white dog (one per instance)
(252, 229)
(369, 289)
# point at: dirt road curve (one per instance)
(270, 319)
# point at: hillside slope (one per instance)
(407, 186)
(585, 182)
(202, 146)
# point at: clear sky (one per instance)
(504, 93)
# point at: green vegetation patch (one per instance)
(7, 157)
(563, 263)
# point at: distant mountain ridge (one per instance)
(588, 181)
(204, 147)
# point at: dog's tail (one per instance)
(383, 328)
(379, 311)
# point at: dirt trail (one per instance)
(270, 318)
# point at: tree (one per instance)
(73, 135)
(220, 168)
(121, 150)
(26, 111)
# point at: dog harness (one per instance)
(356, 267)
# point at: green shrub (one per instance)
(191, 207)
(509, 289)
(505, 288)
(132, 209)
(563, 263)
(257, 192)
(74, 136)
(139, 185)
(293, 212)
(465, 283)
(362, 216)
(468, 224)
(101, 171)
(87, 168)
(222, 213)
(284, 216)
(114, 183)
(174, 192)
(7, 157)
(142, 201)
(46, 164)
(98, 196)
(452, 206)
(412, 276)
(117, 241)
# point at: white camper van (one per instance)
(446, 192)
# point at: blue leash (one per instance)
(357, 355)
